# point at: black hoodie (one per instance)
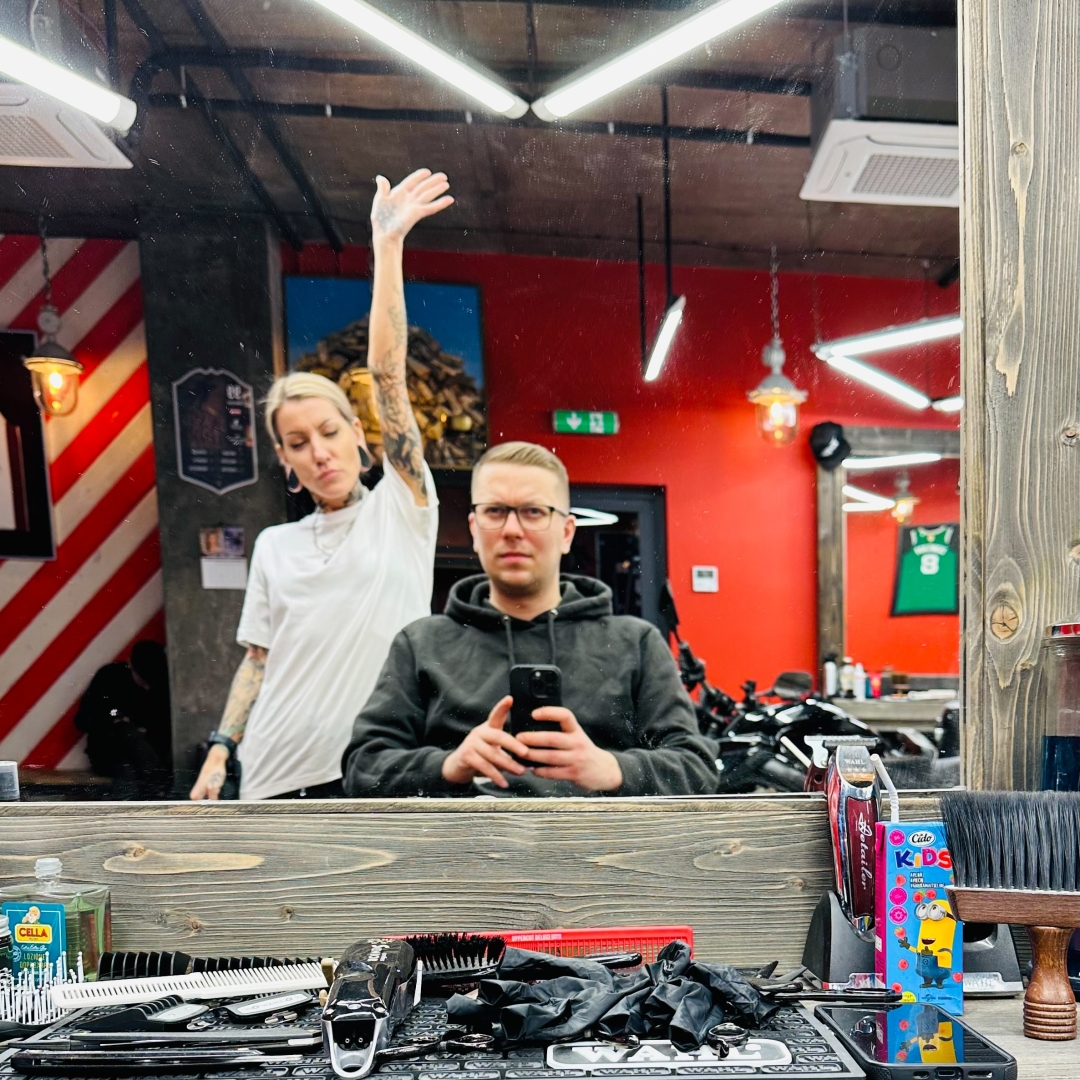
(445, 673)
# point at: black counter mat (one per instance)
(814, 1052)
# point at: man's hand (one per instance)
(212, 775)
(486, 751)
(396, 210)
(570, 754)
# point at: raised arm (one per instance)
(393, 213)
(242, 694)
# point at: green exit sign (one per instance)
(580, 422)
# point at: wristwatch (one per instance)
(215, 738)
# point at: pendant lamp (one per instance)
(54, 370)
(776, 399)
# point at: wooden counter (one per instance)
(306, 878)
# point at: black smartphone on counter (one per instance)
(532, 686)
(915, 1042)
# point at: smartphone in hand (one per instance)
(532, 686)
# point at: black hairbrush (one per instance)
(455, 963)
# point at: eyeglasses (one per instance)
(531, 518)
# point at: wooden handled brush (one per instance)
(1016, 859)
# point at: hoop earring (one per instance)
(366, 460)
(292, 483)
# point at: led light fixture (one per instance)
(419, 50)
(25, 66)
(586, 517)
(662, 345)
(865, 501)
(891, 337)
(947, 404)
(876, 378)
(891, 461)
(688, 34)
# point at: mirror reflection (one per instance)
(447, 398)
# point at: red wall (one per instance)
(927, 643)
(563, 333)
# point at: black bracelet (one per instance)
(215, 738)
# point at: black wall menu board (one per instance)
(215, 430)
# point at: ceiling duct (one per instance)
(884, 120)
(38, 130)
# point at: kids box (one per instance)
(918, 942)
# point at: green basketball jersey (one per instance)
(928, 571)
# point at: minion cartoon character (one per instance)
(933, 1037)
(934, 950)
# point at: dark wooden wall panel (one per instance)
(1021, 306)
(311, 877)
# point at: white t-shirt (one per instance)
(326, 595)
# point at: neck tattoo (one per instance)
(328, 552)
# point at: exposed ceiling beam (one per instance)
(212, 36)
(240, 59)
(745, 136)
(146, 26)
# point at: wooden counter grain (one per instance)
(1002, 1022)
(308, 877)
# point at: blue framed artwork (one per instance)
(326, 332)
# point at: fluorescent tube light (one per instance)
(419, 50)
(865, 500)
(892, 461)
(947, 404)
(25, 66)
(681, 38)
(662, 345)
(891, 337)
(586, 517)
(878, 380)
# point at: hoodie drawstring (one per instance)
(551, 616)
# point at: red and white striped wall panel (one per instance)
(61, 620)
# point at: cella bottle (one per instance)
(50, 918)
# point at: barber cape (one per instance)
(445, 673)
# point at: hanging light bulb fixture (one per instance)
(904, 503)
(54, 370)
(776, 398)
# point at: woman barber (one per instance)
(327, 594)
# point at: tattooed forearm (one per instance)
(242, 694)
(401, 435)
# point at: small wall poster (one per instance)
(927, 571)
(215, 430)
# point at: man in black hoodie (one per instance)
(435, 722)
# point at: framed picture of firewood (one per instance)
(327, 332)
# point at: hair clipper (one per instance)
(376, 985)
(853, 811)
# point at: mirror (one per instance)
(658, 284)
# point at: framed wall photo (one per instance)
(326, 332)
(26, 530)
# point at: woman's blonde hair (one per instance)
(303, 384)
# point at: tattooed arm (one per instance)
(393, 213)
(242, 694)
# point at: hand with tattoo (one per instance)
(396, 210)
(393, 213)
(242, 694)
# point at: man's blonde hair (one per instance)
(303, 384)
(523, 453)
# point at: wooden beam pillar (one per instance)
(1020, 242)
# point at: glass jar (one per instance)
(1060, 663)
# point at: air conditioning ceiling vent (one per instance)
(877, 161)
(37, 130)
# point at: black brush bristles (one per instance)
(454, 962)
(1014, 839)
